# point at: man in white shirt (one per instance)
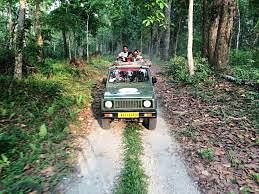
(124, 54)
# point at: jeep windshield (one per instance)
(119, 75)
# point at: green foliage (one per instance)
(245, 190)
(178, 70)
(4, 162)
(133, 178)
(6, 61)
(255, 177)
(190, 132)
(245, 64)
(35, 113)
(206, 154)
(156, 14)
(43, 131)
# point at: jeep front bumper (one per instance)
(128, 115)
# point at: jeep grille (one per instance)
(132, 104)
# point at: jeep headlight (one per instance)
(147, 103)
(108, 104)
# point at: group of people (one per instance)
(127, 56)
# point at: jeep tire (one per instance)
(152, 123)
(106, 123)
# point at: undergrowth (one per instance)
(245, 64)
(178, 70)
(133, 178)
(34, 118)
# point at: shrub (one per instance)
(178, 69)
(245, 64)
(6, 61)
(206, 154)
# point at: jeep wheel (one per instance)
(106, 123)
(152, 123)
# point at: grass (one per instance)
(206, 154)
(34, 118)
(190, 132)
(245, 64)
(133, 178)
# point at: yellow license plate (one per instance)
(128, 115)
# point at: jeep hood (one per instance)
(129, 91)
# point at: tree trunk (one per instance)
(190, 38)
(150, 52)
(213, 30)
(87, 38)
(256, 39)
(75, 45)
(166, 40)
(204, 28)
(224, 35)
(141, 41)
(65, 44)
(69, 46)
(19, 41)
(239, 27)
(10, 25)
(39, 36)
(220, 33)
(158, 41)
(175, 39)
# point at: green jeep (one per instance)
(129, 95)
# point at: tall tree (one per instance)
(65, 44)
(220, 33)
(10, 24)
(38, 29)
(158, 39)
(239, 26)
(190, 38)
(176, 36)
(166, 37)
(19, 40)
(204, 27)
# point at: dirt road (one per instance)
(100, 161)
(163, 165)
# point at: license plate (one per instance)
(128, 115)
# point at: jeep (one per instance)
(129, 95)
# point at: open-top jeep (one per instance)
(129, 95)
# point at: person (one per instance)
(130, 57)
(137, 55)
(124, 54)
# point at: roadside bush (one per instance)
(34, 117)
(6, 61)
(245, 64)
(178, 70)
(30, 53)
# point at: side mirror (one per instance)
(104, 80)
(154, 80)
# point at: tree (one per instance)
(166, 39)
(10, 24)
(204, 28)
(19, 40)
(39, 36)
(175, 36)
(220, 33)
(190, 38)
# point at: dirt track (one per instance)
(100, 161)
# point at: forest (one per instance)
(54, 52)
